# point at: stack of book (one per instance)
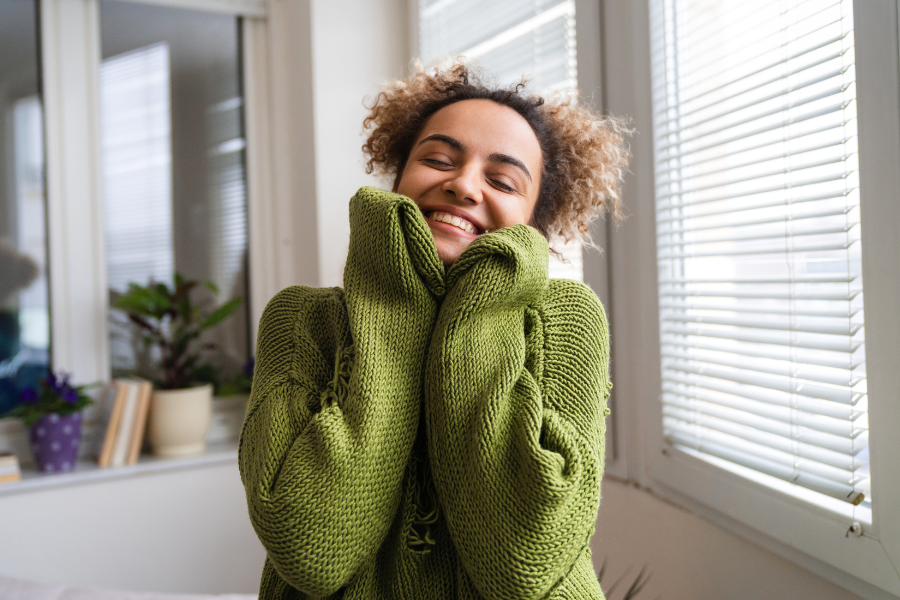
(9, 468)
(126, 423)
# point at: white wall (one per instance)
(326, 57)
(177, 531)
(688, 557)
(357, 45)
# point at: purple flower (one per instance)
(70, 395)
(52, 382)
(29, 395)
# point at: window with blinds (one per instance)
(758, 236)
(509, 39)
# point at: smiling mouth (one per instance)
(459, 223)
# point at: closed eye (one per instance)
(503, 186)
(434, 161)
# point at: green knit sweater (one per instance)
(422, 434)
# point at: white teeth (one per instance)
(453, 220)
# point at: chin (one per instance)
(448, 255)
(448, 258)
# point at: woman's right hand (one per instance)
(336, 400)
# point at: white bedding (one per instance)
(17, 589)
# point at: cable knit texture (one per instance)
(422, 434)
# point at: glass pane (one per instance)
(172, 145)
(24, 314)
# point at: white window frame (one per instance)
(813, 537)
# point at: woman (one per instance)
(435, 429)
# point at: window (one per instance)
(719, 321)
(172, 158)
(758, 242)
(24, 307)
(509, 39)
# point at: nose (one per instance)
(464, 185)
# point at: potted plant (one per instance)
(169, 321)
(52, 413)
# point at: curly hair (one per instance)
(584, 155)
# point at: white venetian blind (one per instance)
(758, 236)
(509, 39)
(136, 154)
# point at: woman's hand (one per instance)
(515, 398)
(336, 400)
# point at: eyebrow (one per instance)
(495, 157)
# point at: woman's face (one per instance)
(474, 167)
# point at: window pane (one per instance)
(24, 314)
(172, 146)
(758, 241)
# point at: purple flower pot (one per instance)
(54, 441)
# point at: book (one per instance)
(9, 468)
(145, 391)
(123, 437)
(112, 425)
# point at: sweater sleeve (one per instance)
(516, 392)
(335, 402)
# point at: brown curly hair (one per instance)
(584, 155)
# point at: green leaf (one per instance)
(211, 286)
(221, 313)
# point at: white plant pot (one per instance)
(179, 421)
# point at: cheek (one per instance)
(417, 179)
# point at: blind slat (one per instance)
(801, 357)
(779, 338)
(744, 135)
(789, 385)
(831, 326)
(836, 466)
(838, 426)
(691, 303)
(744, 221)
(785, 428)
(832, 56)
(732, 208)
(742, 236)
(801, 143)
(805, 373)
(796, 403)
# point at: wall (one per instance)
(688, 557)
(326, 57)
(356, 47)
(176, 531)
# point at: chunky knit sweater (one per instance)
(422, 434)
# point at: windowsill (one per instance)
(88, 472)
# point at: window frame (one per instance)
(811, 536)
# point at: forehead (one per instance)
(485, 127)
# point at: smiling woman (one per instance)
(435, 429)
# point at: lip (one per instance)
(456, 212)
